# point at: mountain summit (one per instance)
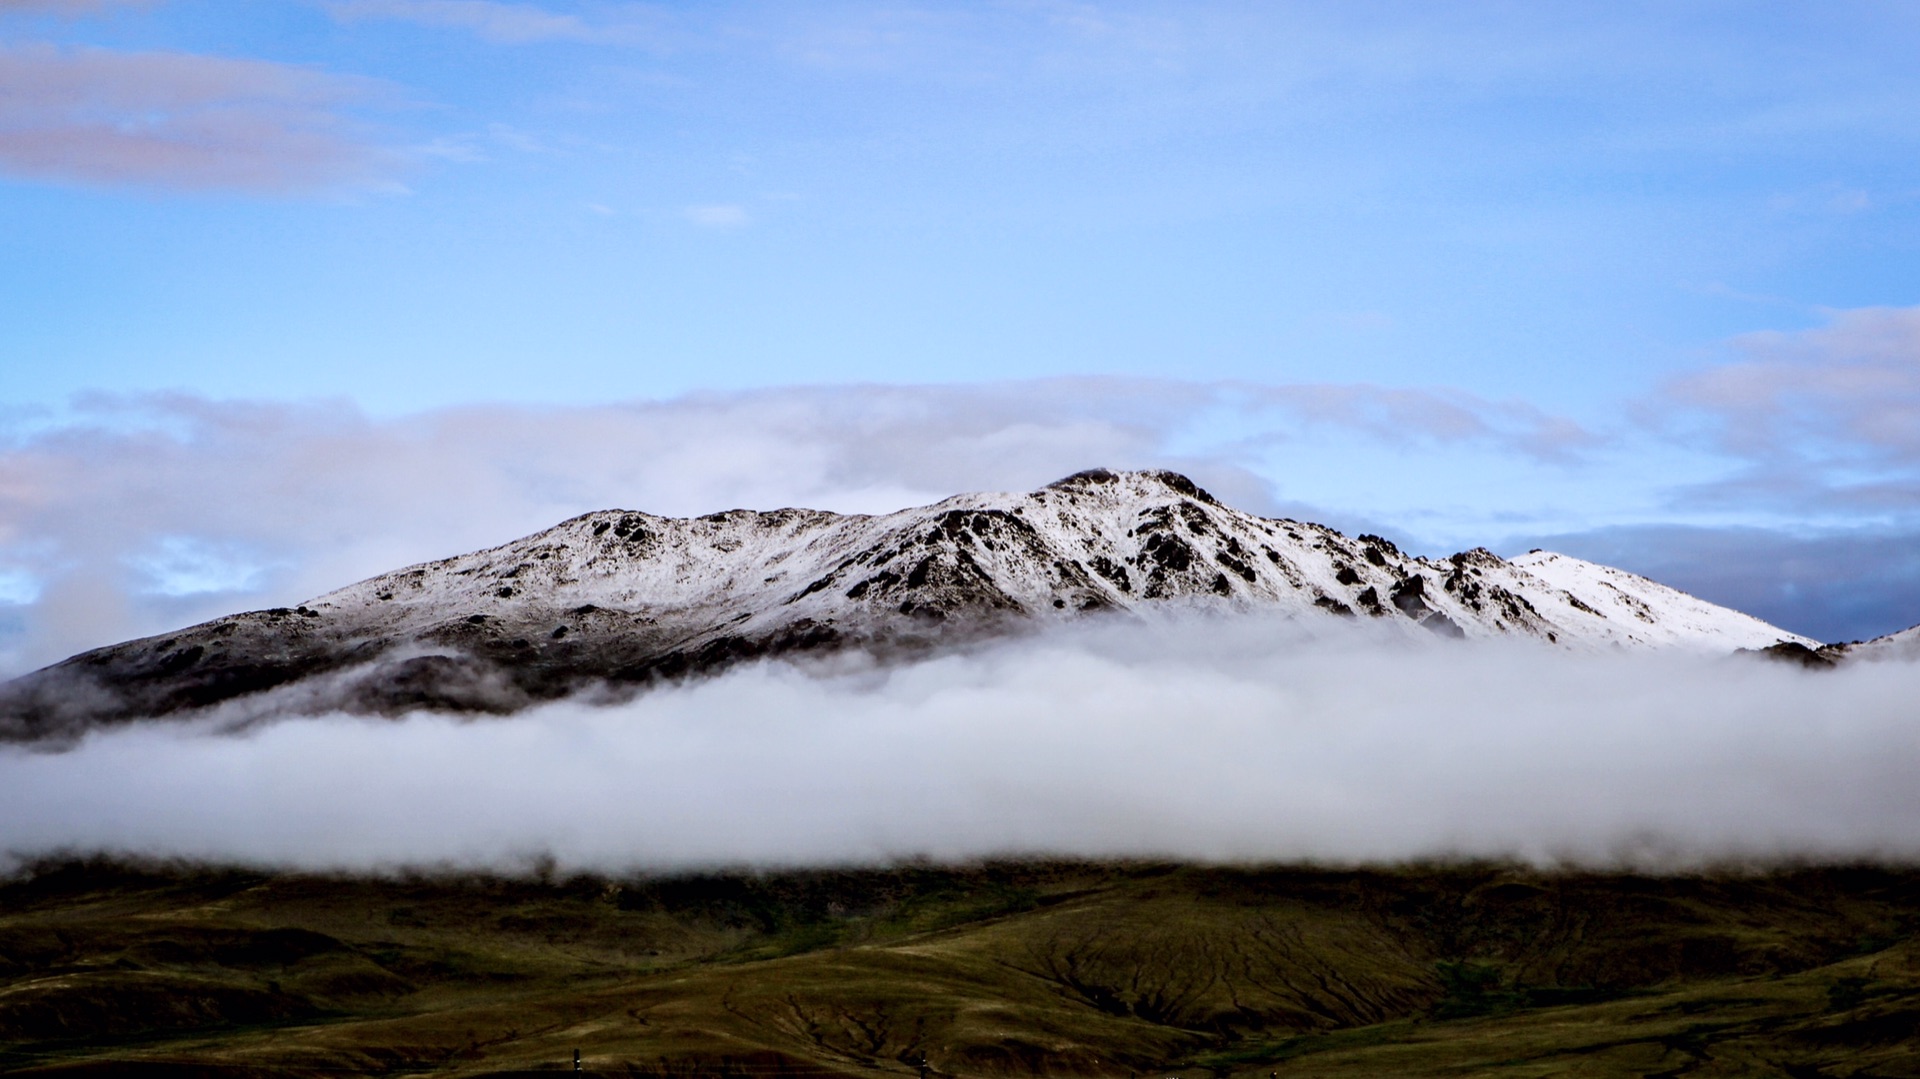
(619, 598)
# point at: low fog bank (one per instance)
(1212, 741)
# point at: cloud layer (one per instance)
(180, 120)
(1826, 417)
(1212, 741)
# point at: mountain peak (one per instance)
(618, 599)
(1140, 480)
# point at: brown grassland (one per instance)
(997, 969)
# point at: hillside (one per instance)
(1007, 969)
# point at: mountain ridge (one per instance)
(613, 600)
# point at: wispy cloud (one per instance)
(68, 7)
(717, 215)
(1397, 415)
(504, 23)
(180, 120)
(1827, 415)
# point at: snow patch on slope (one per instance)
(1624, 608)
(1904, 645)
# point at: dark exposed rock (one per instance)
(1574, 602)
(1334, 606)
(1798, 654)
(1410, 597)
(1087, 478)
(1112, 571)
(1169, 553)
(1245, 571)
(1183, 485)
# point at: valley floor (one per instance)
(1002, 969)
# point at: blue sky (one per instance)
(1558, 201)
(1636, 279)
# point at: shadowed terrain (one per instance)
(989, 970)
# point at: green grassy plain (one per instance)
(1000, 969)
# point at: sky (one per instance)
(297, 291)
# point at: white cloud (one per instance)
(1825, 417)
(717, 215)
(1221, 740)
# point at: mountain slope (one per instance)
(618, 599)
(1903, 646)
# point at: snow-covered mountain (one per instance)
(619, 599)
(1903, 646)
